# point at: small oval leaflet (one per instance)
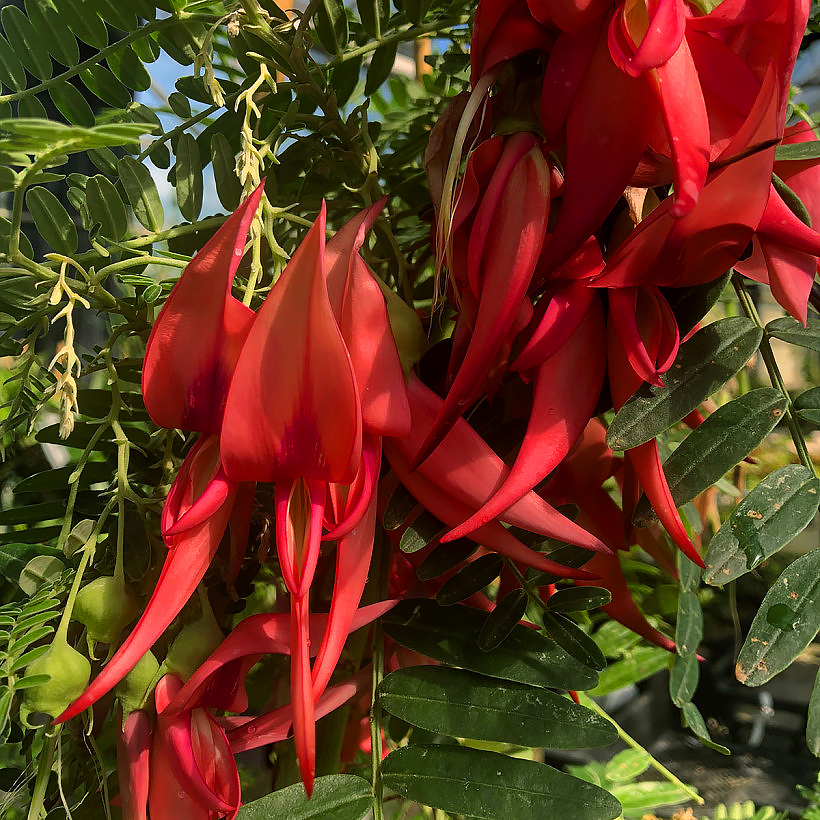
(459, 703)
(713, 448)
(471, 579)
(708, 360)
(772, 514)
(769, 648)
(489, 785)
(503, 619)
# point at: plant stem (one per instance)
(630, 741)
(43, 772)
(775, 376)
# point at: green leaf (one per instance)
(416, 10)
(694, 720)
(381, 66)
(638, 664)
(5, 231)
(502, 620)
(797, 151)
(373, 14)
(768, 648)
(26, 41)
(30, 107)
(689, 628)
(57, 479)
(791, 331)
(344, 78)
(691, 304)
(188, 178)
(179, 105)
(577, 599)
(15, 556)
(52, 220)
(449, 635)
(627, 765)
(813, 721)
(104, 159)
(335, 797)
(470, 579)
(330, 21)
(399, 506)
(772, 514)
(33, 513)
(43, 569)
(683, 679)
(142, 193)
(182, 43)
(717, 445)
(807, 406)
(570, 637)
(461, 704)
(105, 207)
(106, 86)
(425, 529)
(53, 30)
(649, 795)
(489, 785)
(12, 73)
(115, 13)
(84, 22)
(708, 360)
(444, 557)
(228, 187)
(129, 70)
(71, 104)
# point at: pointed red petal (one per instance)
(185, 565)
(465, 468)
(301, 692)
(567, 387)
(295, 381)
(199, 332)
(509, 262)
(133, 746)
(353, 553)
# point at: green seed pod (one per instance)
(105, 606)
(69, 672)
(193, 644)
(133, 688)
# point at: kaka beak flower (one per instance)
(320, 372)
(193, 773)
(656, 338)
(785, 249)
(567, 386)
(189, 359)
(133, 751)
(507, 224)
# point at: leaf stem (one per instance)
(775, 376)
(631, 742)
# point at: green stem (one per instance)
(630, 741)
(775, 376)
(382, 557)
(43, 772)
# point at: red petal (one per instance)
(133, 746)
(199, 332)
(464, 467)
(566, 391)
(185, 565)
(292, 408)
(353, 553)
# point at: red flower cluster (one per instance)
(556, 248)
